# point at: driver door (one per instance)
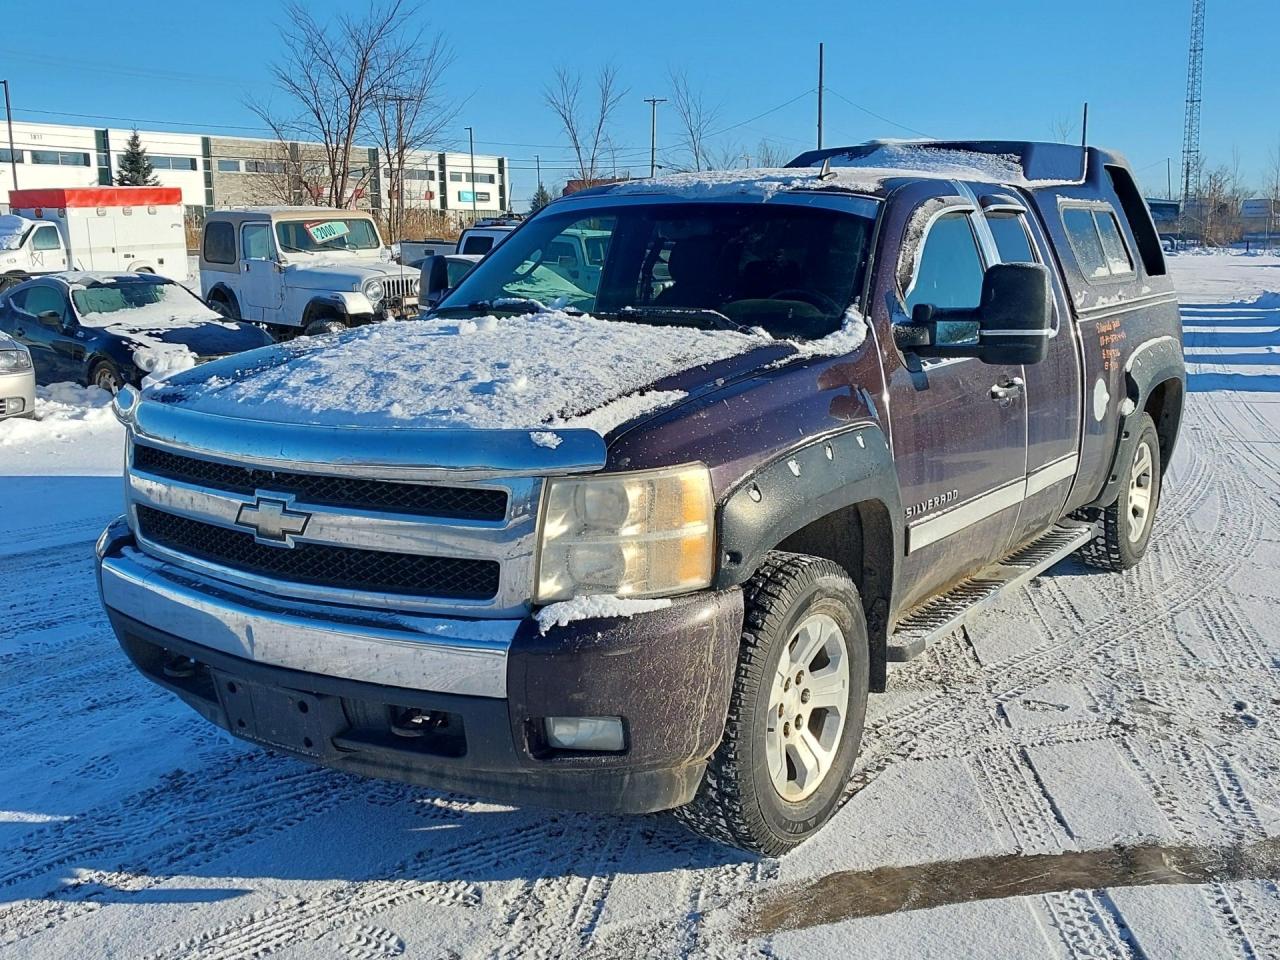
(261, 282)
(959, 425)
(56, 352)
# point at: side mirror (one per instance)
(1013, 321)
(435, 279)
(50, 318)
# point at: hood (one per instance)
(325, 271)
(535, 372)
(203, 339)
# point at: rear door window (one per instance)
(1012, 240)
(220, 242)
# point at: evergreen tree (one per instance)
(135, 167)
(541, 197)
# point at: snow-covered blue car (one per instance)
(112, 329)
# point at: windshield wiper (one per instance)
(701, 317)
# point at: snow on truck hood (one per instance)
(536, 371)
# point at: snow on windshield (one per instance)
(143, 304)
(12, 229)
(531, 371)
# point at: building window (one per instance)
(263, 166)
(162, 161)
(482, 196)
(10, 156)
(481, 178)
(455, 176)
(60, 158)
(419, 174)
(228, 166)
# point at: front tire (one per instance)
(106, 376)
(796, 713)
(1124, 528)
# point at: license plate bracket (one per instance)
(278, 717)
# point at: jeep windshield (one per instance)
(323, 234)
(792, 270)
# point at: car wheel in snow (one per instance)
(796, 712)
(317, 328)
(106, 377)
(220, 305)
(1124, 528)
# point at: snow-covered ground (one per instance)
(1090, 711)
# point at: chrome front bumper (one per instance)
(416, 651)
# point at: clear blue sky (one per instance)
(983, 69)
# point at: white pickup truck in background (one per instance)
(114, 229)
(479, 239)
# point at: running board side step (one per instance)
(948, 612)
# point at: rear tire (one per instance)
(1124, 528)
(796, 712)
(223, 307)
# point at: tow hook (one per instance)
(412, 722)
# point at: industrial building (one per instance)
(217, 171)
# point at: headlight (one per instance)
(642, 534)
(373, 289)
(13, 360)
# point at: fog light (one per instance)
(585, 733)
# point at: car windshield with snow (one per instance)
(637, 519)
(791, 270)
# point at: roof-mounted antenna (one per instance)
(826, 173)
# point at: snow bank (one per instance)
(531, 371)
(74, 432)
(585, 608)
(12, 229)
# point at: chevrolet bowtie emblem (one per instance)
(271, 521)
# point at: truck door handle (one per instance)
(1006, 389)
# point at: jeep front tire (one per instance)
(796, 712)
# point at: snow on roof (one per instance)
(763, 183)
(525, 372)
(12, 229)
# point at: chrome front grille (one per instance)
(401, 287)
(462, 547)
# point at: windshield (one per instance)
(138, 302)
(790, 269)
(327, 233)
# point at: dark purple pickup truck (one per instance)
(638, 516)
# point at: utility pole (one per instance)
(471, 139)
(820, 64)
(653, 133)
(1168, 176)
(538, 162)
(8, 116)
(395, 208)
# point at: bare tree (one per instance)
(1063, 130)
(408, 113)
(769, 154)
(696, 118)
(331, 74)
(586, 126)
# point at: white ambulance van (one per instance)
(93, 228)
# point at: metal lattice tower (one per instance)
(1191, 129)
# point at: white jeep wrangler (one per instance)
(309, 270)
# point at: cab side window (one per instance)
(949, 270)
(46, 238)
(1012, 239)
(1096, 241)
(255, 241)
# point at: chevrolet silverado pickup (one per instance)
(648, 538)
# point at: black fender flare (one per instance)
(1153, 362)
(226, 293)
(850, 467)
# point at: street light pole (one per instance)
(8, 116)
(653, 133)
(471, 138)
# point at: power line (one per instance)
(758, 116)
(878, 116)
